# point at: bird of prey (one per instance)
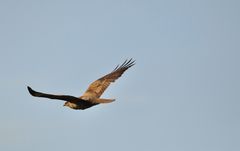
(92, 95)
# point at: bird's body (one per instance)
(80, 105)
(92, 95)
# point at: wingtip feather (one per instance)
(126, 64)
(31, 91)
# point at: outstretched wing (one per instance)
(52, 96)
(97, 88)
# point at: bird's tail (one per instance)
(105, 100)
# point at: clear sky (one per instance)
(182, 94)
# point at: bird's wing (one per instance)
(97, 88)
(52, 96)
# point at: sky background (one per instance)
(182, 94)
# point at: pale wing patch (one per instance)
(97, 88)
(101, 87)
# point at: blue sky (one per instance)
(182, 94)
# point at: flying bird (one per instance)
(92, 95)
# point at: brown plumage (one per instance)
(92, 95)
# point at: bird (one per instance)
(91, 96)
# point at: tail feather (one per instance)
(105, 100)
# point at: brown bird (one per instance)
(92, 95)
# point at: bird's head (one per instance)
(66, 104)
(71, 105)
